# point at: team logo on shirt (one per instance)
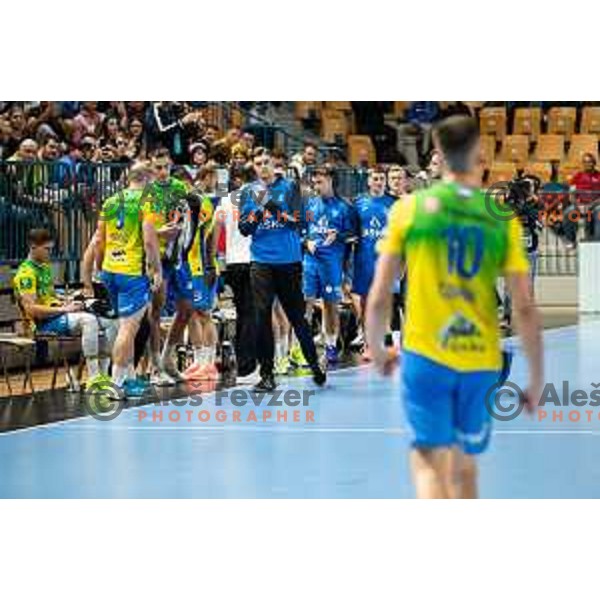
(431, 205)
(26, 283)
(461, 335)
(374, 230)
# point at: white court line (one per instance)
(284, 384)
(267, 429)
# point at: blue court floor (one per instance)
(355, 448)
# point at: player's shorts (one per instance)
(363, 277)
(178, 279)
(128, 293)
(445, 407)
(204, 296)
(323, 279)
(58, 325)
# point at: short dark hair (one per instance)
(308, 144)
(456, 137)
(161, 153)
(38, 237)
(260, 151)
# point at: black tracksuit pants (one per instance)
(283, 281)
(237, 277)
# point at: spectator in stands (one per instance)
(587, 180)
(211, 133)
(199, 157)
(239, 155)
(26, 152)
(87, 122)
(307, 159)
(176, 127)
(50, 150)
(17, 130)
(414, 134)
(248, 141)
(110, 130)
(137, 139)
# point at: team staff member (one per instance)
(455, 250)
(271, 213)
(126, 241)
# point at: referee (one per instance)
(271, 213)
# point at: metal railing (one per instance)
(58, 196)
(65, 199)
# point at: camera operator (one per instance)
(523, 197)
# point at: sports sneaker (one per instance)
(282, 366)
(134, 388)
(171, 370)
(331, 355)
(252, 378)
(211, 372)
(195, 372)
(297, 357)
(162, 379)
(358, 341)
(266, 384)
(319, 376)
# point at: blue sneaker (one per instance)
(135, 388)
(331, 355)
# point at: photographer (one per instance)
(523, 197)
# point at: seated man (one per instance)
(34, 289)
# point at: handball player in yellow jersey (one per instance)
(455, 248)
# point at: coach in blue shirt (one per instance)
(271, 211)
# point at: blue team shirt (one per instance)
(371, 215)
(275, 240)
(324, 214)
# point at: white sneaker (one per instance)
(359, 340)
(162, 379)
(250, 379)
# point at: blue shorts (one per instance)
(203, 296)
(128, 293)
(363, 277)
(178, 280)
(445, 407)
(323, 279)
(58, 325)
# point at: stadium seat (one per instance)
(307, 110)
(501, 171)
(528, 121)
(581, 144)
(492, 121)
(561, 120)
(550, 147)
(356, 143)
(515, 148)
(539, 169)
(488, 149)
(567, 170)
(334, 126)
(339, 105)
(590, 121)
(400, 107)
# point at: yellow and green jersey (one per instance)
(197, 255)
(37, 280)
(164, 203)
(455, 250)
(124, 214)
